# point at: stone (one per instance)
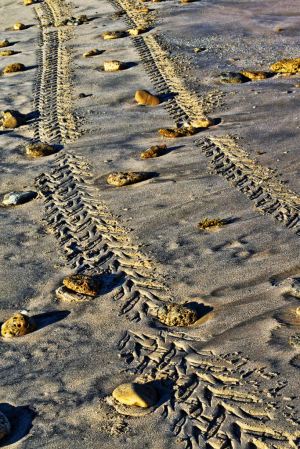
(295, 340)
(82, 283)
(19, 26)
(203, 122)
(154, 151)
(12, 119)
(199, 49)
(187, 1)
(137, 31)
(143, 11)
(287, 66)
(16, 198)
(82, 95)
(113, 66)
(141, 395)
(29, 2)
(144, 97)
(176, 315)
(254, 75)
(7, 53)
(68, 295)
(298, 311)
(82, 19)
(113, 34)
(4, 426)
(39, 150)
(20, 324)
(123, 178)
(297, 85)
(178, 132)
(4, 43)
(91, 53)
(61, 23)
(16, 67)
(231, 78)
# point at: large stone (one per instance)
(186, 131)
(144, 97)
(114, 34)
(39, 150)
(65, 294)
(4, 43)
(252, 75)
(7, 53)
(16, 67)
(113, 66)
(231, 78)
(82, 283)
(4, 426)
(176, 315)
(141, 395)
(287, 66)
(16, 198)
(12, 119)
(154, 151)
(123, 178)
(20, 324)
(19, 26)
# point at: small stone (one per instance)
(187, 1)
(29, 2)
(231, 78)
(297, 85)
(61, 23)
(4, 43)
(16, 198)
(141, 395)
(39, 150)
(19, 26)
(144, 97)
(254, 75)
(4, 426)
(287, 66)
(82, 283)
(154, 151)
(143, 11)
(91, 53)
(295, 340)
(178, 132)
(68, 295)
(20, 324)
(16, 67)
(203, 122)
(113, 34)
(123, 178)
(137, 31)
(279, 29)
(82, 19)
(113, 66)
(12, 119)
(298, 311)
(176, 315)
(82, 95)
(7, 53)
(199, 49)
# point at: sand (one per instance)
(231, 380)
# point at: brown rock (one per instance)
(82, 283)
(16, 67)
(141, 395)
(178, 132)
(19, 26)
(154, 151)
(68, 295)
(176, 315)
(29, 2)
(7, 53)
(39, 150)
(11, 120)
(137, 31)
(91, 53)
(255, 75)
(20, 324)
(113, 66)
(144, 97)
(113, 34)
(4, 426)
(287, 66)
(4, 43)
(143, 11)
(123, 178)
(203, 122)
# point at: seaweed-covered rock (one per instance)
(82, 283)
(40, 150)
(16, 67)
(20, 324)
(287, 66)
(12, 119)
(295, 340)
(16, 198)
(154, 151)
(113, 66)
(123, 178)
(141, 395)
(4, 426)
(231, 78)
(113, 34)
(19, 26)
(176, 315)
(144, 97)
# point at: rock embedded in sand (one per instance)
(203, 122)
(178, 132)
(16, 198)
(12, 120)
(287, 66)
(154, 151)
(7, 53)
(20, 324)
(82, 283)
(19, 26)
(231, 78)
(68, 295)
(113, 66)
(114, 34)
(16, 67)
(137, 31)
(39, 150)
(91, 53)
(254, 75)
(176, 315)
(295, 340)
(144, 97)
(4, 43)
(124, 178)
(141, 395)
(4, 426)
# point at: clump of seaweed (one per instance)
(209, 223)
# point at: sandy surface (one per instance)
(229, 381)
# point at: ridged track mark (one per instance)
(216, 401)
(262, 185)
(53, 85)
(92, 239)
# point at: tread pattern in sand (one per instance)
(93, 241)
(215, 401)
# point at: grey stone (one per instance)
(231, 78)
(15, 198)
